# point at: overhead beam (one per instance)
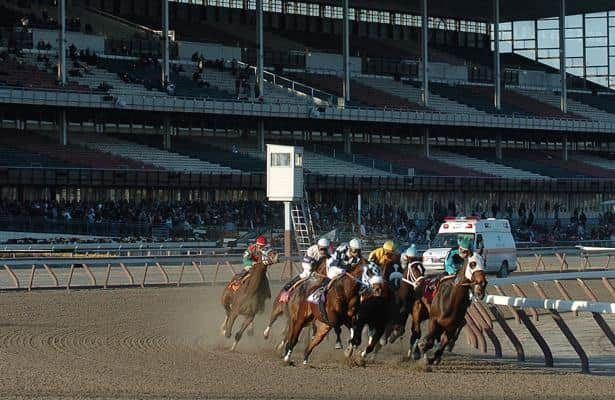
(497, 84)
(425, 53)
(562, 57)
(346, 49)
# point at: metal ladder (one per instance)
(301, 227)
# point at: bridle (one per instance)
(411, 278)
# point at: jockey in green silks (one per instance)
(456, 257)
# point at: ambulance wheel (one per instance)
(503, 272)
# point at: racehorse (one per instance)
(341, 305)
(450, 304)
(373, 312)
(247, 297)
(297, 293)
(404, 300)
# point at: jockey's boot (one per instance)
(291, 283)
(241, 274)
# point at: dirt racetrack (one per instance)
(164, 343)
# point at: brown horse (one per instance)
(280, 307)
(341, 305)
(449, 307)
(248, 297)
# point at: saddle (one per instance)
(236, 282)
(318, 298)
(284, 297)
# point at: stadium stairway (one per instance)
(480, 165)
(574, 106)
(151, 155)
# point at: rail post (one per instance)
(508, 332)
(12, 275)
(107, 275)
(564, 293)
(597, 317)
(70, 277)
(608, 287)
(163, 272)
(561, 324)
(521, 293)
(523, 318)
(52, 274)
(198, 270)
(144, 275)
(563, 263)
(131, 278)
(473, 326)
(485, 326)
(31, 277)
(181, 275)
(90, 274)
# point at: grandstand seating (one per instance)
(146, 154)
(600, 161)
(480, 165)
(576, 107)
(18, 72)
(602, 102)
(412, 92)
(324, 165)
(360, 93)
(411, 159)
(44, 151)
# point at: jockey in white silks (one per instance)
(313, 255)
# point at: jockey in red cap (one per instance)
(252, 254)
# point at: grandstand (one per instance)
(404, 105)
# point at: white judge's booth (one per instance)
(285, 182)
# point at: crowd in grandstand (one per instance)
(377, 219)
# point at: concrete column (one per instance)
(425, 53)
(426, 150)
(346, 56)
(288, 233)
(166, 133)
(498, 146)
(260, 135)
(63, 127)
(347, 141)
(565, 148)
(260, 58)
(165, 42)
(359, 209)
(62, 42)
(497, 100)
(562, 56)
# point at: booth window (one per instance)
(280, 159)
(298, 160)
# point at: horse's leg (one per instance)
(444, 340)
(372, 342)
(356, 331)
(276, 311)
(223, 326)
(249, 320)
(434, 331)
(414, 351)
(338, 336)
(453, 340)
(295, 326)
(321, 332)
(230, 321)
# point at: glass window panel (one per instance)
(595, 27)
(524, 30)
(548, 23)
(574, 21)
(592, 42)
(596, 56)
(548, 39)
(280, 159)
(574, 47)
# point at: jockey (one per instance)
(252, 254)
(344, 256)
(456, 257)
(313, 255)
(409, 259)
(384, 254)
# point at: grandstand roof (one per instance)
(480, 10)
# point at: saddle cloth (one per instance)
(431, 285)
(236, 282)
(286, 295)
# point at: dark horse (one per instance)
(247, 297)
(450, 304)
(341, 305)
(373, 312)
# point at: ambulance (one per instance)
(491, 238)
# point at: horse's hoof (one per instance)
(416, 355)
(280, 346)
(234, 346)
(360, 361)
(338, 345)
(305, 362)
(383, 341)
(348, 351)
(436, 360)
(266, 333)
